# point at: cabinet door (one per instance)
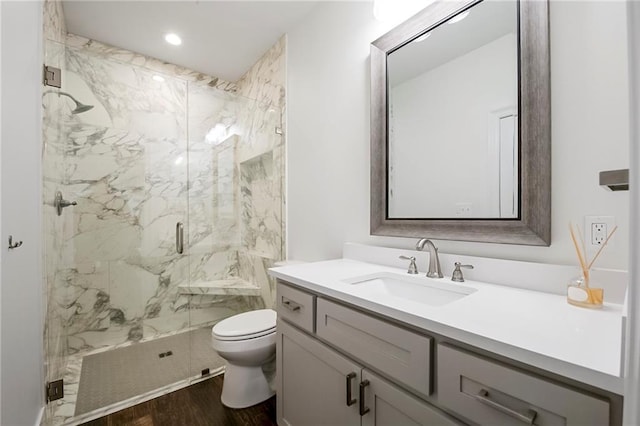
(314, 382)
(390, 406)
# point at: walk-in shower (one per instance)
(129, 314)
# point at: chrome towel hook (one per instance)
(13, 245)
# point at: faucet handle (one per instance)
(457, 272)
(413, 269)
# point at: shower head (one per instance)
(80, 107)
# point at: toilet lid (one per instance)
(246, 325)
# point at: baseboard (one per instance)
(40, 417)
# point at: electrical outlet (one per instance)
(596, 229)
(464, 209)
(599, 232)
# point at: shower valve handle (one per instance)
(65, 203)
(59, 203)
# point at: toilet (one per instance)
(246, 342)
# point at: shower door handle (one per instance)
(180, 237)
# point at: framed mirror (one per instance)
(461, 124)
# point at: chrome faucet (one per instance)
(434, 261)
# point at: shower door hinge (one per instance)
(55, 390)
(52, 77)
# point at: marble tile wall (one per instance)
(126, 166)
(262, 162)
(54, 24)
(148, 155)
(112, 53)
(265, 80)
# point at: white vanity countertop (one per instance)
(536, 328)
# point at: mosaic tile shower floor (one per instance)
(119, 374)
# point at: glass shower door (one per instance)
(127, 168)
(114, 257)
(54, 109)
(235, 211)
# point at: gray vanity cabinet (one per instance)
(491, 393)
(318, 386)
(390, 406)
(313, 382)
(403, 356)
(337, 365)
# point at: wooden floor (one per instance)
(198, 404)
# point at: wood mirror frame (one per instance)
(533, 225)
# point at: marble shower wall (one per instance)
(265, 80)
(263, 172)
(111, 53)
(148, 155)
(235, 195)
(54, 24)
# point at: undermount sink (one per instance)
(418, 289)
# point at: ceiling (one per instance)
(486, 22)
(219, 38)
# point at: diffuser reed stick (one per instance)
(602, 247)
(582, 244)
(581, 259)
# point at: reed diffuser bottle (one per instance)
(580, 291)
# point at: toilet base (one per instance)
(244, 386)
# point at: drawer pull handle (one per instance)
(528, 418)
(291, 305)
(350, 399)
(363, 410)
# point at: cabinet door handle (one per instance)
(528, 418)
(350, 400)
(291, 305)
(363, 410)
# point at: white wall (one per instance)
(328, 129)
(1, 254)
(22, 379)
(632, 368)
(428, 144)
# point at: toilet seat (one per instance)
(248, 325)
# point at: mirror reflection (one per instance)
(453, 118)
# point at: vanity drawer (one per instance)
(295, 306)
(398, 353)
(489, 393)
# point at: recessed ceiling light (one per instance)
(458, 18)
(158, 78)
(173, 38)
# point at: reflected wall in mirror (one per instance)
(460, 124)
(463, 71)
